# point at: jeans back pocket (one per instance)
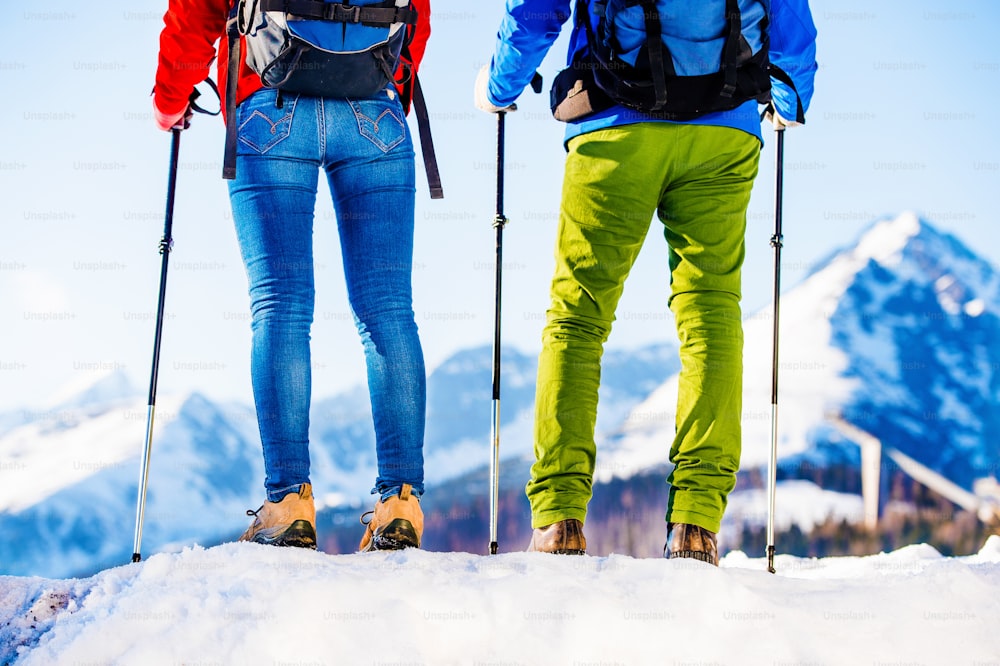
(380, 121)
(262, 124)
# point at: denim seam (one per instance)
(321, 128)
(280, 494)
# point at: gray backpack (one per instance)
(328, 49)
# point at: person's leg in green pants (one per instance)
(698, 179)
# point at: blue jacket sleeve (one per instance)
(526, 33)
(793, 50)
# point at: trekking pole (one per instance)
(166, 242)
(499, 221)
(776, 243)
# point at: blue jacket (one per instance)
(530, 27)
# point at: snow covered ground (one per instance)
(249, 604)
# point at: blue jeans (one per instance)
(364, 148)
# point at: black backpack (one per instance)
(601, 77)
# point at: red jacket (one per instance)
(187, 48)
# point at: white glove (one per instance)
(482, 99)
(777, 121)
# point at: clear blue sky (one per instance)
(905, 117)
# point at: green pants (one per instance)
(697, 179)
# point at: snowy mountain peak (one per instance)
(911, 249)
(913, 315)
(93, 387)
(884, 240)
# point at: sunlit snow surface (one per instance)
(250, 604)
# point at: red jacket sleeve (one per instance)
(187, 48)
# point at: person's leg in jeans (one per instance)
(370, 166)
(273, 198)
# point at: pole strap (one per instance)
(195, 94)
(776, 72)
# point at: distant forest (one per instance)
(626, 516)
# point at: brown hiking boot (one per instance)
(290, 522)
(395, 524)
(562, 538)
(691, 541)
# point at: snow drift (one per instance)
(250, 604)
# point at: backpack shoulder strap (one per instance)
(731, 48)
(655, 50)
(426, 141)
(232, 78)
(412, 95)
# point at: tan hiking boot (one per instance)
(290, 522)
(395, 524)
(562, 538)
(692, 542)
